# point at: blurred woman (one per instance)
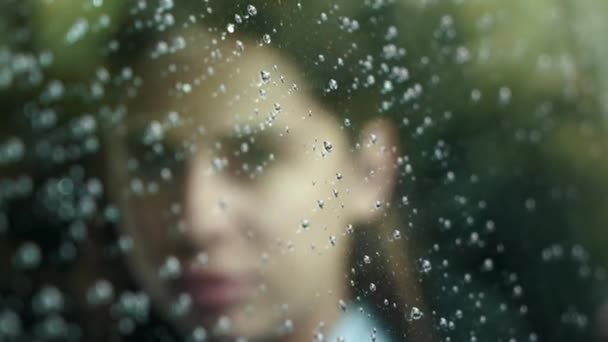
(294, 170)
(244, 198)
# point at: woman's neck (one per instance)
(321, 319)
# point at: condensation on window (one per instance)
(369, 170)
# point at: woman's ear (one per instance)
(376, 168)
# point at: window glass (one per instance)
(369, 170)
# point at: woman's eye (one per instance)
(248, 160)
(255, 156)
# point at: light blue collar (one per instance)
(357, 324)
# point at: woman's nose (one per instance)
(209, 205)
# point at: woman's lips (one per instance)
(215, 291)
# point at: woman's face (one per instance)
(238, 190)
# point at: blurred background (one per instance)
(501, 107)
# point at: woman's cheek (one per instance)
(288, 190)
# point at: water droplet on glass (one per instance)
(199, 334)
(265, 76)
(349, 228)
(342, 305)
(240, 46)
(504, 95)
(332, 240)
(333, 84)
(170, 269)
(373, 138)
(372, 287)
(290, 246)
(367, 260)
(10, 325)
(416, 313)
(288, 326)
(425, 266)
(48, 300)
(396, 234)
(77, 31)
(202, 259)
(102, 292)
(230, 28)
(181, 306)
(388, 86)
(252, 10)
(266, 39)
(305, 224)
(28, 256)
(223, 325)
(488, 265)
(443, 323)
(166, 174)
(154, 133)
(219, 164)
(327, 146)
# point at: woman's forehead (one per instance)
(253, 90)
